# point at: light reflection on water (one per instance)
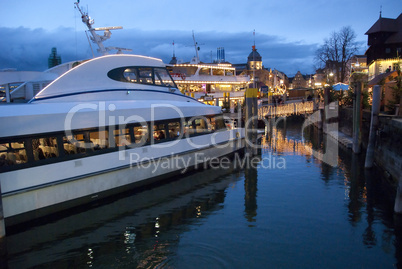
(308, 214)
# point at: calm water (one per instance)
(292, 211)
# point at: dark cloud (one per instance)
(28, 49)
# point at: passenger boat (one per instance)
(110, 123)
(100, 127)
(211, 83)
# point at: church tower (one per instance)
(254, 60)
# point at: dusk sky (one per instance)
(287, 32)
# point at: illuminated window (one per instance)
(145, 75)
(99, 139)
(130, 75)
(162, 77)
(141, 134)
(174, 129)
(12, 153)
(45, 148)
(159, 132)
(217, 72)
(205, 71)
(122, 137)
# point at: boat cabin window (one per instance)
(219, 123)
(213, 123)
(189, 128)
(77, 143)
(209, 125)
(99, 139)
(145, 75)
(229, 73)
(174, 129)
(141, 134)
(122, 137)
(163, 78)
(205, 71)
(12, 153)
(18, 153)
(159, 132)
(45, 148)
(185, 70)
(130, 74)
(218, 72)
(201, 126)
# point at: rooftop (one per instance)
(254, 56)
(383, 25)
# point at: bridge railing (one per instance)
(285, 109)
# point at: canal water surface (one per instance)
(290, 211)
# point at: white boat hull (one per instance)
(58, 186)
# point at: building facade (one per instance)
(384, 39)
(385, 46)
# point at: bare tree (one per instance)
(337, 51)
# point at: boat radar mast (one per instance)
(196, 59)
(97, 38)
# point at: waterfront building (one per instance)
(385, 46)
(266, 79)
(358, 64)
(380, 66)
(254, 60)
(319, 78)
(300, 86)
(385, 39)
(298, 81)
(383, 57)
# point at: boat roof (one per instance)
(92, 75)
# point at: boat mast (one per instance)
(197, 48)
(254, 84)
(97, 38)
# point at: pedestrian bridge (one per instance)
(297, 108)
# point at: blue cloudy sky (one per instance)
(287, 31)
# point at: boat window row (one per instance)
(143, 75)
(215, 72)
(18, 153)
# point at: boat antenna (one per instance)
(89, 42)
(94, 36)
(197, 48)
(254, 60)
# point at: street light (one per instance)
(329, 78)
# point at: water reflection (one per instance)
(277, 141)
(308, 215)
(250, 197)
(128, 231)
(366, 194)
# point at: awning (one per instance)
(340, 86)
